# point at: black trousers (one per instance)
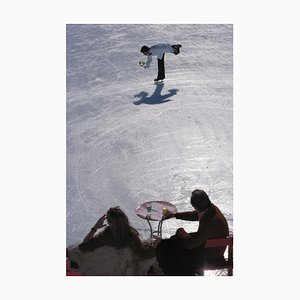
(175, 260)
(161, 68)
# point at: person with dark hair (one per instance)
(158, 50)
(117, 233)
(183, 252)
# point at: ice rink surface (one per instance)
(130, 141)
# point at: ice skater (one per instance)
(158, 50)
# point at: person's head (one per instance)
(200, 201)
(145, 50)
(116, 217)
(119, 225)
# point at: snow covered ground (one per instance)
(130, 141)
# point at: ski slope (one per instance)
(130, 141)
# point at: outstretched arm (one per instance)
(188, 216)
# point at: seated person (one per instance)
(183, 252)
(118, 234)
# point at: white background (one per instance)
(266, 148)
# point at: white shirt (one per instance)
(158, 50)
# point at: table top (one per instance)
(156, 210)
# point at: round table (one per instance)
(155, 213)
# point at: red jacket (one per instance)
(212, 225)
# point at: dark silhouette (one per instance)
(156, 97)
(117, 233)
(183, 252)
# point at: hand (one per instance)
(180, 231)
(156, 241)
(168, 215)
(100, 222)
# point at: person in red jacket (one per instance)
(183, 252)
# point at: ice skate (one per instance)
(176, 48)
(158, 80)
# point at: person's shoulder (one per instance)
(134, 232)
(133, 240)
(217, 210)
